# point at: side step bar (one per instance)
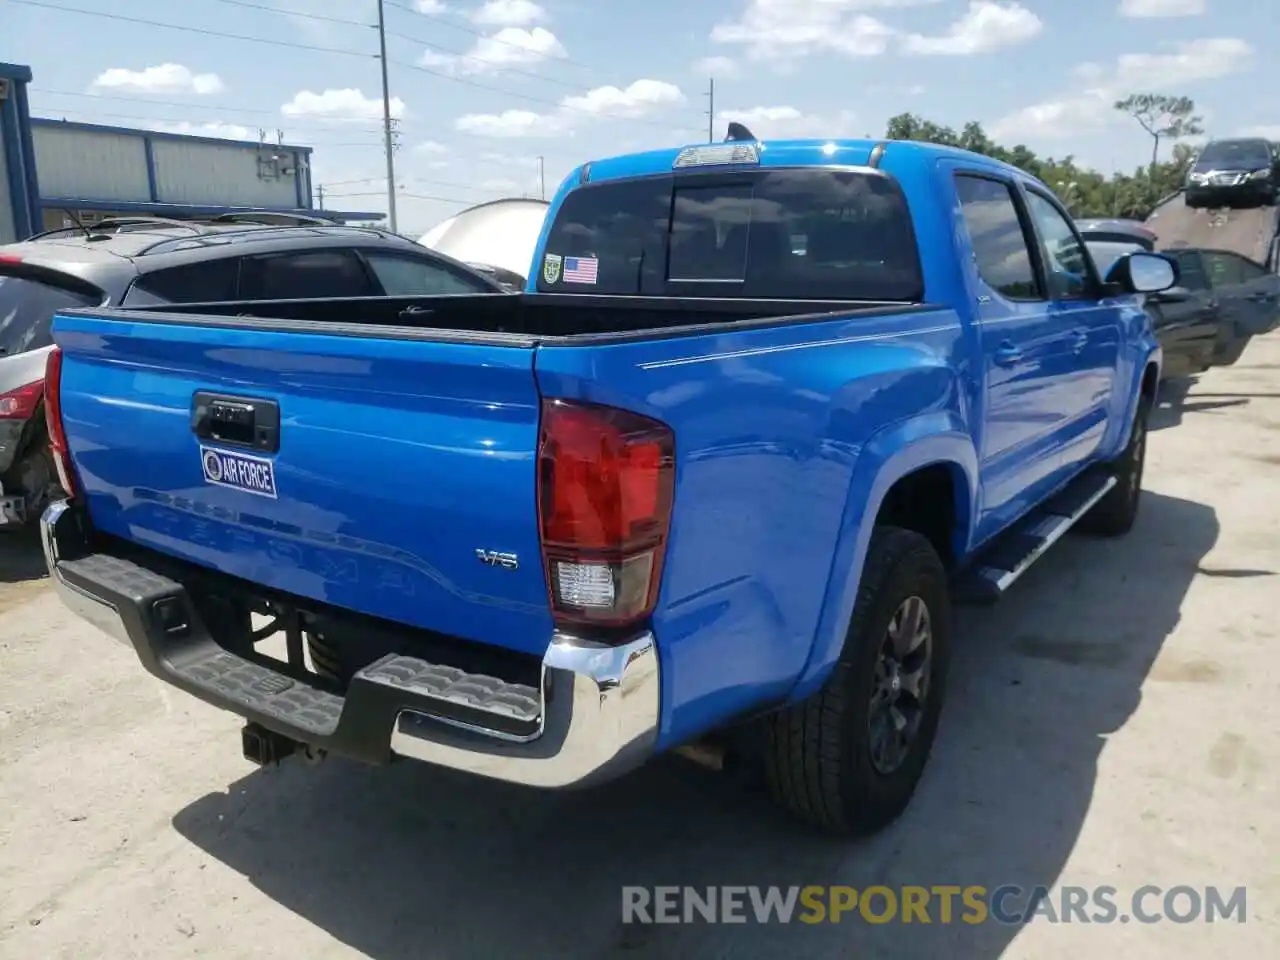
(1009, 557)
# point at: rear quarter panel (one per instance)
(785, 438)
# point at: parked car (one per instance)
(690, 481)
(1244, 170)
(1121, 231)
(149, 260)
(1222, 301)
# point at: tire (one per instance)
(1115, 513)
(818, 753)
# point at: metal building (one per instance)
(19, 210)
(59, 172)
(95, 170)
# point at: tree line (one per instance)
(1086, 192)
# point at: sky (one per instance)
(486, 93)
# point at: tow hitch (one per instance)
(266, 747)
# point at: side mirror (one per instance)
(1172, 295)
(1142, 272)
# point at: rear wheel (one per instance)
(848, 758)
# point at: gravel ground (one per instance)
(1115, 720)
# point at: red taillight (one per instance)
(9, 258)
(21, 404)
(53, 422)
(605, 481)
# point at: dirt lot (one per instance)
(1116, 720)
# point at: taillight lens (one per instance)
(21, 404)
(53, 422)
(605, 479)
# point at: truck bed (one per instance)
(509, 318)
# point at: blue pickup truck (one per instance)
(765, 411)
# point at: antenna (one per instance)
(738, 131)
(711, 110)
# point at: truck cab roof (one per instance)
(806, 152)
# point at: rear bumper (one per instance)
(595, 717)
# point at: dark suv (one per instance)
(149, 260)
(1230, 172)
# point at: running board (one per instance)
(998, 566)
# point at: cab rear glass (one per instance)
(787, 234)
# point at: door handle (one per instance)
(1079, 340)
(1007, 354)
(236, 421)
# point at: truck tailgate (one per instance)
(391, 476)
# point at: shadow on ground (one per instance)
(409, 862)
(20, 557)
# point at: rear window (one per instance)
(26, 312)
(801, 234)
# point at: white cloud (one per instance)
(168, 78)
(639, 99)
(509, 123)
(430, 148)
(226, 131)
(509, 47)
(1162, 8)
(718, 67)
(1092, 108)
(987, 25)
(509, 13)
(431, 7)
(1204, 59)
(345, 104)
(499, 185)
(787, 121)
(782, 30)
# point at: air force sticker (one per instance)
(551, 267)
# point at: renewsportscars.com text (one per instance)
(1007, 904)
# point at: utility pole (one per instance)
(711, 110)
(386, 121)
(320, 195)
(542, 179)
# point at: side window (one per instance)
(1224, 269)
(995, 232)
(204, 282)
(1192, 271)
(1240, 269)
(1066, 263)
(412, 276)
(305, 275)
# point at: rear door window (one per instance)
(206, 282)
(27, 307)
(999, 242)
(305, 275)
(402, 276)
(787, 234)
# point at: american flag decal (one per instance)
(580, 269)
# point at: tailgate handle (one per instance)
(237, 421)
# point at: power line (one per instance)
(42, 5)
(296, 13)
(530, 98)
